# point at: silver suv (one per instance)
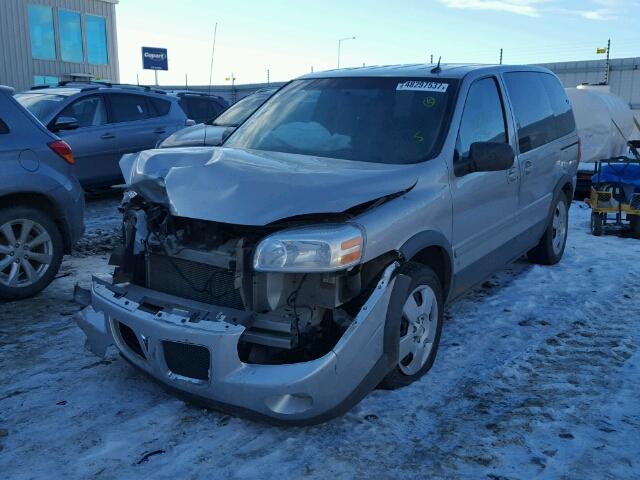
(309, 259)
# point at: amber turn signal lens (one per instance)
(352, 249)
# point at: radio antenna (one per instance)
(437, 68)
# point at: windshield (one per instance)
(41, 105)
(240, 111)
(376, 119)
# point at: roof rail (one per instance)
(97, 83)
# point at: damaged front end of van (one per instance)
(244, 281)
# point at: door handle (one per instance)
(512, 175)
(159, 130)
(528, 167)
(107, 136)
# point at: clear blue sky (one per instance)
(289, 37)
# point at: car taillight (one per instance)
(63, 150)
(189, 123)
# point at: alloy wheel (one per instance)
(26, 252)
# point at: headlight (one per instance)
(321, 248)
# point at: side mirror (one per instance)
(486, 157)
(65, 123)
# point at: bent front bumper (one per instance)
(193, 348)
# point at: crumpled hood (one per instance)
(200, 135)
(257, 188)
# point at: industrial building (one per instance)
(48, 41)
(623, 77)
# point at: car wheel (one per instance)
(30, 252)
(420, 327)
(551, 247)
(634, 221)
(596, 224)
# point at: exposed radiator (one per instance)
(206, 283)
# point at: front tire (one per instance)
(420, 327)
(30, 252)
(550, 249)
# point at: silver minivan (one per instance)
(309, 259)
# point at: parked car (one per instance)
(198, 106)
(309, 259)
(101, 122)
(41, 202)
(213, 132)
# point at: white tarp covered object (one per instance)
(605, 122)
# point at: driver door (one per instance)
(485, 204)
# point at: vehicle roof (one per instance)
(6, 89)
(447, 70)
(192, 92)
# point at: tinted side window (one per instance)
(564, 122)
(89, 111)
(532, 107)
(3, 127)
(159, 107)
(199, 109)
(128, 108)
(483, 117)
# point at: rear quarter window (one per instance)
(542, 109)
(128, 108)
(3, 127)
(159, 107)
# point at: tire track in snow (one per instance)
(526, 405)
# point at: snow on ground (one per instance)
(538, 375)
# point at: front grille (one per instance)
(193, 280)
(187, 359)
(130, 339)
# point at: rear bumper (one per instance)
(300, 393)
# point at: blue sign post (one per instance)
(155, 59)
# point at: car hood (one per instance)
(248, 187)
(200, 135)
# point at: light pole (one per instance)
(339, 45)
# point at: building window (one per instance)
(96, 40)
(43, 45)
(45, 80)
(70, 36)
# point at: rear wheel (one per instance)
(30, 252)
(552, 244)
(596, 224)
(420, 327)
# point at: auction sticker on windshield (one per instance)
(421, 86)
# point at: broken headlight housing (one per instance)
(319, 248)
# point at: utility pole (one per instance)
(340, 43)
(213, 51)
(606, 73)
(268, 82)
(431, 62)
(500, 56)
